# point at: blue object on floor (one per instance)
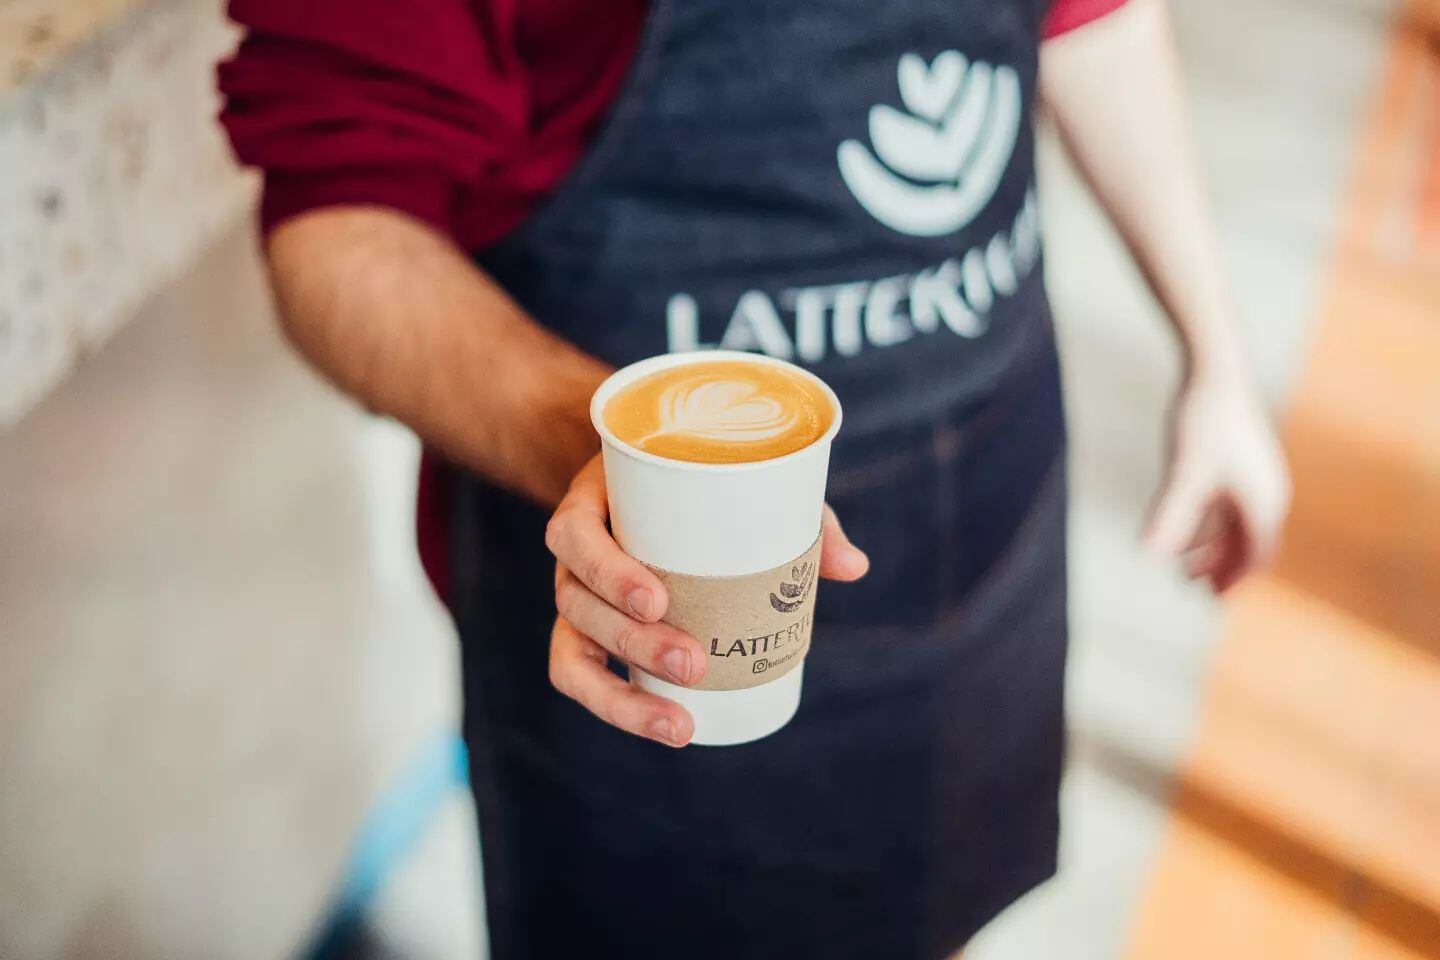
(391, 830)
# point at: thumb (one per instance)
(839, 558)
(1177, 512)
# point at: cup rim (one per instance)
(629, 374)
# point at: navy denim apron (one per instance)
(848, 185)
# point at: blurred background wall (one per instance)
(218, 657)
(114, 176)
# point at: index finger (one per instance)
(579, 539)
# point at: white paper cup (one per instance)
(716, 520)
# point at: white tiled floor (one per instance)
(215, 648)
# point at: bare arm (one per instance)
(399, 318)
(1114, 89)
(396, 316)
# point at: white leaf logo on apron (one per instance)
(939, 164)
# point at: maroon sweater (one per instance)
(462, 113)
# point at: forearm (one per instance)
(1114, 89)
(395, 315)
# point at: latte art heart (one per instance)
(729, 411)
(723, 410)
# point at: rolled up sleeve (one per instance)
(370, 102)
(1067, 15)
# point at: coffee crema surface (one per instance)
(721, 411)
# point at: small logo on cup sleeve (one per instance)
(796, 590)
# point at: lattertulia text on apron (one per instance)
(755, 628)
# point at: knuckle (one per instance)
(560, 678)
(627, 642)
(613, 712)
(567, 597)
(555, 531)
(594, 572)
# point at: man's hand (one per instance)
(610, 603)
(1227, 491)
